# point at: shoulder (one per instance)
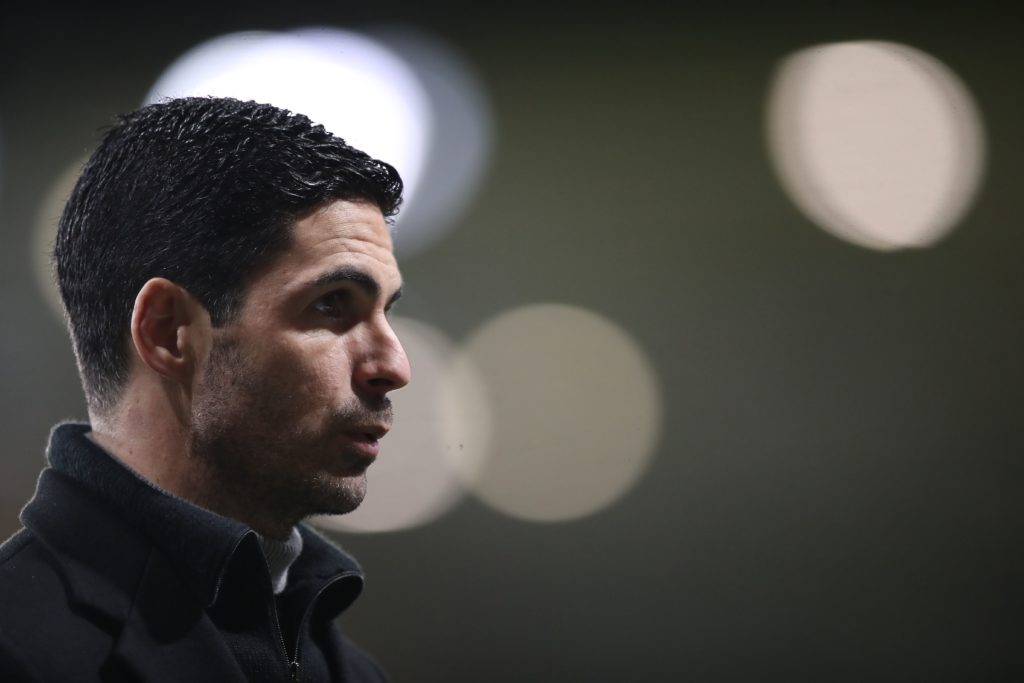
(55, 620)
(32, 581)
(13, 544)
(26, 571)
(12, 667)
(31, 591)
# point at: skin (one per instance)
(276, 415)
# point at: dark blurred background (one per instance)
(833, 491)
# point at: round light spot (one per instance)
(414, 482)
(878, 143)
(576, 412)
(47, 218)
(460, 140)
(353, 85)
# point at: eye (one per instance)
(336, 304)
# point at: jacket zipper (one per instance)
(291, 663)
(293, 666)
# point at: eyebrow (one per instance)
(360, 278)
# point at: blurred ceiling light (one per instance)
(878, 143)
(413, 482)
(47, 218)
(460, 140)
(403, 97)
(576, 412)
(356, 87)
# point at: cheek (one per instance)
(318, 373)
(331, 368)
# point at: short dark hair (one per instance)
(201, 191)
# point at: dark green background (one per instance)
(837, 492)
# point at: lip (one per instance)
(365, 439)
(375, 430)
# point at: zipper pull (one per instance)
(293, 668)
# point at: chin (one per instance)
(334, 495)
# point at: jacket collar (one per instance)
(198, 543)
(116, 579)
(146, 566)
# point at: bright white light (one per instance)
(576, 412)
(353, 85)
(414, 482)
(878, 143)
(460, 140)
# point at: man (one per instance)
(227, 270)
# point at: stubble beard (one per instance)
(258, 461)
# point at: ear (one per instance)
(168, 329)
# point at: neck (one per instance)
(159, 450)
(154, 448)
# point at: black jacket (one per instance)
(112, 580)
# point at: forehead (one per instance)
(342, 233)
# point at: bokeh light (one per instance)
(413, 482)
(876, 142)
(460, 140)
(401, 94)
(47, 218)
(576, 412)
(354, 85)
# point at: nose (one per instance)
(384, 367)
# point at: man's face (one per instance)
(293, 397)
